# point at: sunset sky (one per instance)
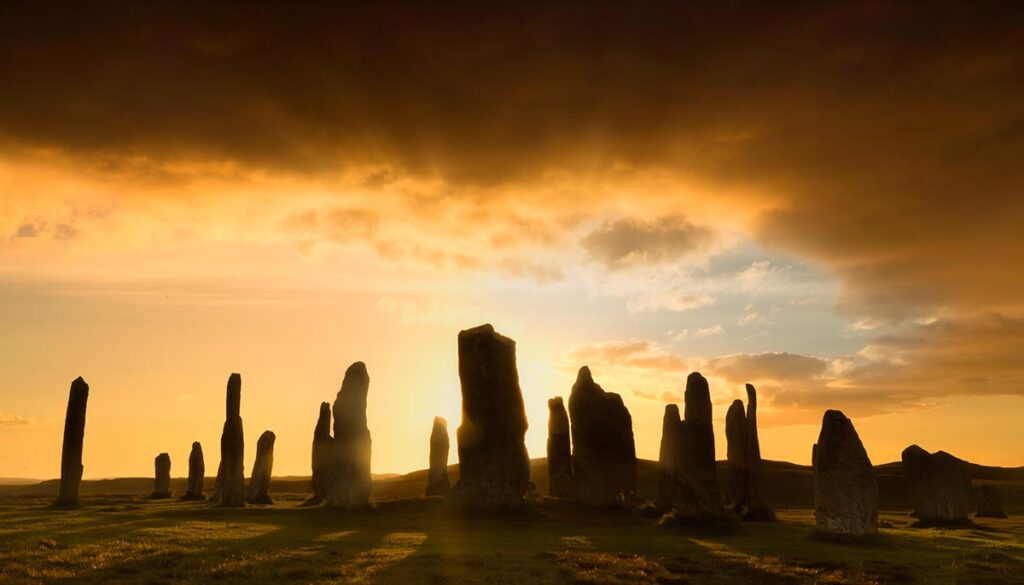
(825, 201)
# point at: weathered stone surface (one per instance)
(323, 446)
(604, 454)
(757, 507)
(560, 478)
(440, 445)
(71, 453)
(667, 453)
(196, 473)
(697, 440)
(845, 492)
(229, 489)
(990, 503)
(259, 483)
(349, 482)
(940, 485)
(162, 481)
(737, 456)
(494, 466)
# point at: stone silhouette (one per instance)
(744, 460)
(494, 468)
(990, 504)
(229, 489)
(437, 477)
(259, 483)
(162, 481)
(196, 473)
(940, 486)
(323, 447)
(348, 481)
(604, 454)
(71, 453)
(667, 453)
(845, 492)
(560, 478)
(697, 444)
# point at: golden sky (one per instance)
(823, 201)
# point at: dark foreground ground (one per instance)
(119, 536)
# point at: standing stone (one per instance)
(737, 454)
(162, 483)
(560, 479)
(494, 468)
(71, 453)
(229, 489)
(196, 473)
(845, 492)
(259, 483)
(758, 508)
(437, 478)
(348, 482)
(604, 454)
(940, 485)
(667, 455)
(697, 447)
(323, 446)
(990, 504)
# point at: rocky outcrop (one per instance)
(71, 453)
(560, 479)
(437, 477)
(262, 468)
(604, 454)
(348, 481)
(494, 466)
(196, 473)
(697, 437)
(229, 489)
(940, 486)
(667, 454)
(162, 477)
(323, 446)
(990, 503)
(845, 492)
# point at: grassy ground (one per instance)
(126, 539)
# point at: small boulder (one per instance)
(259, 483)
(196, 473)
(162, 481)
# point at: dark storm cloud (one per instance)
(628, 241)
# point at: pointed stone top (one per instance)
(266, 439)
(440, 421)
(737, 406)
(80, 383)
(234, 396)
(196, 446)
(357, 369)
(584, 375)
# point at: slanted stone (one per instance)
(229, 489)
(437, 477)
(560, 479)
(162, 481)
(259, 483)
(940, 486)
(196, 473)
(738, 465)
(667, 453)
(845, 492)
(349, 481)
(494, 468)
(757, 508)
(990, 503)
(604, 454)
(71, 454)
(697, 443)
(322, 453)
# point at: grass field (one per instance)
(127, 539)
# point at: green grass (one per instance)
(126, 539)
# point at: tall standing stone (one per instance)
(437, 477)
(758, 508)
(323, 447)
(229, 490)
(71, 452)
(737, 456)
(845, 492)
(560, 478)
(697, 447)
(349, 481)
(667, 453)
(262, 468)
(196, 473)
(940, 485)
(162, 481)
(604, 453)
(494, 467)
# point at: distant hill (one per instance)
(786, 485)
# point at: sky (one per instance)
(822, 200)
